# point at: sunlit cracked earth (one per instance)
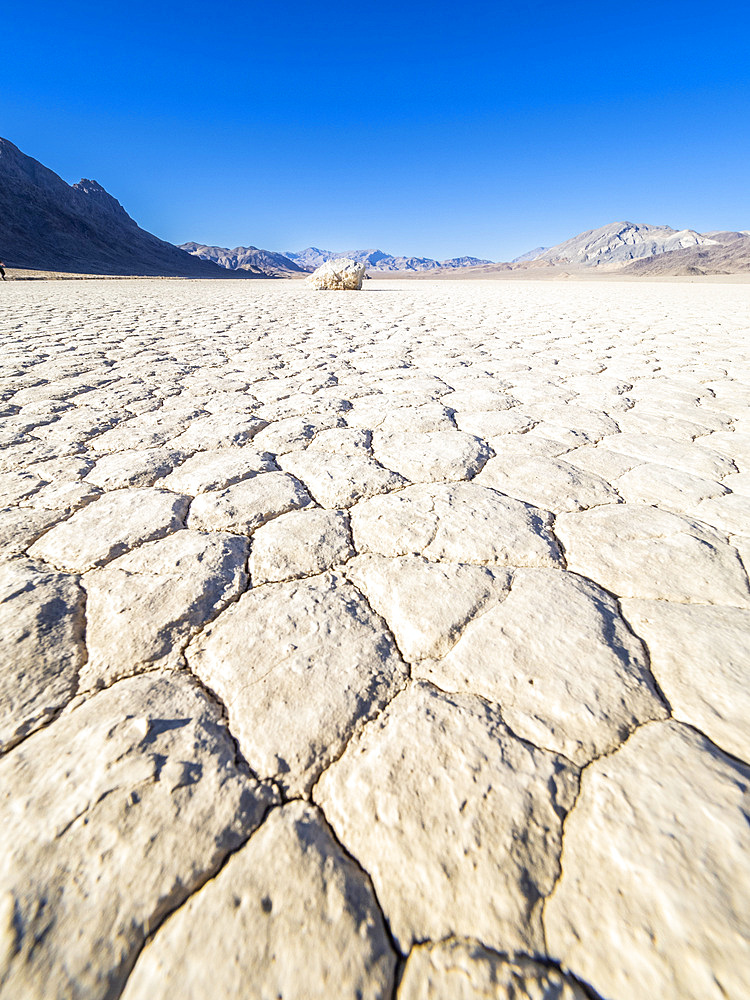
(380, 644)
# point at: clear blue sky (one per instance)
(420, 128)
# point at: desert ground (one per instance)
(390, 644)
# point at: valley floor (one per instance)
(379, 644)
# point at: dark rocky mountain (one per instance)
(48, 225)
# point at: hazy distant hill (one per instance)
(456, 262)
(273, 264)
(262, 262)
(376, 260)
(531, 255)
(48, 225)
(620, 242)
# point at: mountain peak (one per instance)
(49, 225)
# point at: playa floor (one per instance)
(380, 644)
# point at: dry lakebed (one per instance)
(390, 644)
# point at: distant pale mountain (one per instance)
(311, 258)
(261, 262)
(530, 255)
(48, 225)
(456, 262)
(285, 265)
(375, 260)
(620, 242)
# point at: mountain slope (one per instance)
(620, 242)
(262, 262)
(530, 255)
(730, 257)
(48, 225)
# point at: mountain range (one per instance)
(275, 264)
(627, 247)
(49, 225)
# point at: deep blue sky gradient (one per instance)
(436, 129)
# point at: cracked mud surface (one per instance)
(390, 645)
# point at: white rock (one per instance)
(425, 604)
(444, 809)
(344, 440)
(220, 430)
(461, 522)
(339, 480)
(431, 456)
(300, 666)
(293, 433)
(734, 445)
(14, 486)
(643, 421)
(216, 469)
(111, 817)
(655, 869)
(63, 498)
(341, 274)
(246, 505)
(109, 526)
(464, 970)
(479, 400)
(148, 430)
(301, 543)
(289, 916)
(20, 526)
(133, 468)
(700, 657)
(729, 512)
(669, 489)
(548, 483)
(143, 608)
(491, 424)
(41, 646)
(417, 419)
(696, 460)
(559, 661)
(637, 551)
(601, 461)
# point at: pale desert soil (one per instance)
(379, 644)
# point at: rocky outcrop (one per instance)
(290, 915)
(341, 274)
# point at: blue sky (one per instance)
(433, 129)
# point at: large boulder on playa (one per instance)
(342, 273)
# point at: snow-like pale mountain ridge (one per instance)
(620, 242)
